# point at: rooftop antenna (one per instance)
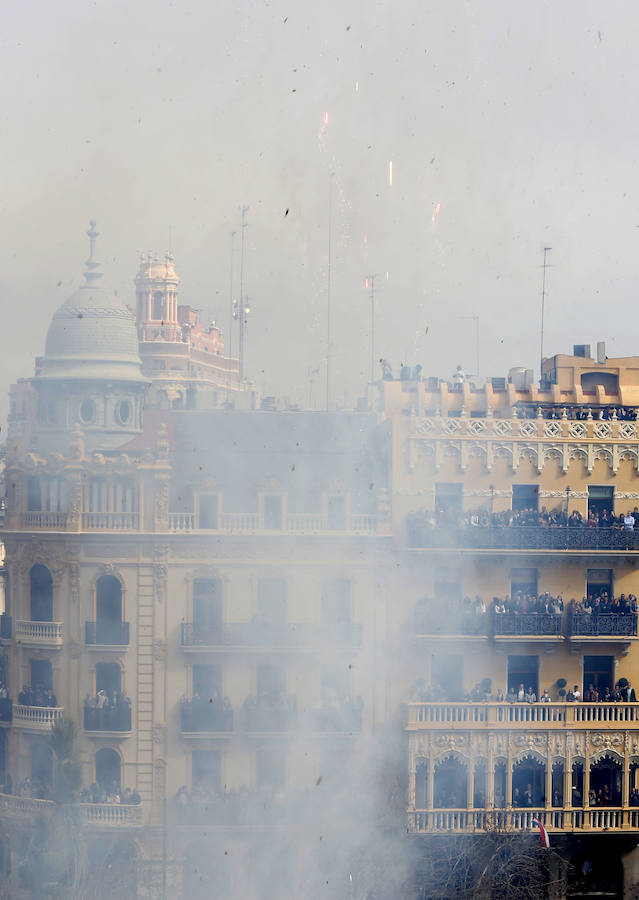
(230, 348)
(369, 282)
(328, 294)
(545, 265)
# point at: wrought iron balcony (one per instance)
(527, 625)
(267, 718)
(201, 716)
(421, 535)
(441, 619)
(39, 634)
(105, 634)
(606, 625)
(253, 634)
(108, 718)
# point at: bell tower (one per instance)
(156, 288)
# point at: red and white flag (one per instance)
(543, 834)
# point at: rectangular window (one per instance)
(270, 767)
(598, 671)
(336, 512)
(209, 517)
(207, 681)
(598, 582)
(271, 601)
(273, 512)
(108, 677)
(336, 601)
(448, 497)
(523, 670)
(271, 681)
(334, 682)
(206, 770)
(207, 603)
(600, 497)
(41, 674)
(34, 494)
(523, 581)
(525, 496)
(447, 675)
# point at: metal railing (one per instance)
(107, 718)
(421, 535)
(603, 625)
(493, 714)
(200, 715)
(527, 624)
(107, 633)
(50, 633)
(252, 634)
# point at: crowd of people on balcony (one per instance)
(529, 517)
(96, 793)
(270, 712)
(214, 713)
(602, 605)
(107, 711)
(482, 692)
(37, 696)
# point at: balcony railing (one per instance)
(36, 718)
(266, 718)
(108, 718)
(111, 814)
(499, 715)
(518, 537)
(293, 523)
(252, 634)
(57, 520)
(422, 821)
(344, 719)
(527, 624)
(606, 625)
(200, 715)
(44, 634)
(107, 633)
(110, 521)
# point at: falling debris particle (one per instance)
(286, 20)
(318, 782)
(390, 172)
(286, 213)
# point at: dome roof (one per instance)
(92, 335)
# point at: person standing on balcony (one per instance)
(521, 694)
(576, 693)
(628, 694)
(531, 696)
(545, 697)
(628, 521)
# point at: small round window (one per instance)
(124, 412)
(87, 411)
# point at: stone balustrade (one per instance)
(44, 634)
(489, 715)
(111, 814)
(36, 718)
(464, 821)
(110, 521)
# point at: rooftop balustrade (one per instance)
(253, 634)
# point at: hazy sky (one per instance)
(519, 119)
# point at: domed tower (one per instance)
(90, 374)
(156, 289)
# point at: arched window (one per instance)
(529, 783)
(41, 594)
(606, 777)
(421, 784)
(479, 785)
(108, 610)
(107, 770)
(558, 783)
(158, 305)
(34, 494)
(41, 767)
(451, 784)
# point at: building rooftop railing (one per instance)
(495, 714)
(420, 535)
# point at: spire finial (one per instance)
(92, 273)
